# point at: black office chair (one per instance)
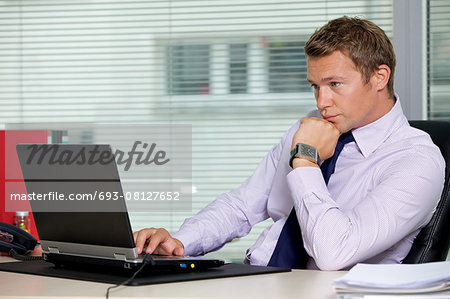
(432, 243)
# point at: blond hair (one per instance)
(366, 44)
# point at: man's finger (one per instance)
(179, 251)
(155, 240)
(141, 238)
(167, 246)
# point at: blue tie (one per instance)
(289, 252)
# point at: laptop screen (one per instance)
(104, 222)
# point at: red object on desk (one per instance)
(11, 180)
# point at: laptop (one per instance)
(86, 232)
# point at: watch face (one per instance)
(309, 151)
(304, 150)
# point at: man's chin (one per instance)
(338, 126)
(342, 127)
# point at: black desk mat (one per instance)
(107, 276)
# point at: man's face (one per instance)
(343, 98)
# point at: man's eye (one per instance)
(314, 86)
(336, 84)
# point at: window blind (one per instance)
(439, 59)
(234, 70)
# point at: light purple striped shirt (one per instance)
(385, 187)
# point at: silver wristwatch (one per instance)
(305, 151)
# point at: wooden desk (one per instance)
(296, 284)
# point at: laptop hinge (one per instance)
(120, 256)
(53, 249)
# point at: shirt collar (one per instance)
(371, 136)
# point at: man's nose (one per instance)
(323, 98)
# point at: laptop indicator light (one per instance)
(183, 265)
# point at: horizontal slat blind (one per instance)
(439, 59)
(235, 70)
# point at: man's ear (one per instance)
(381, 76)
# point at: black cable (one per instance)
(22, 257)
(147, 259)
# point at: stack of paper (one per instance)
(430, 280)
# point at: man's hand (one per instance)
(319, 133)
(157, 241)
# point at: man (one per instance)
(384, 185)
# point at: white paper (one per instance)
(396, 276)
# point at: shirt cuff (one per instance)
(306, 181)
(189, 240)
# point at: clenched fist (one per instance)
(317, 132)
